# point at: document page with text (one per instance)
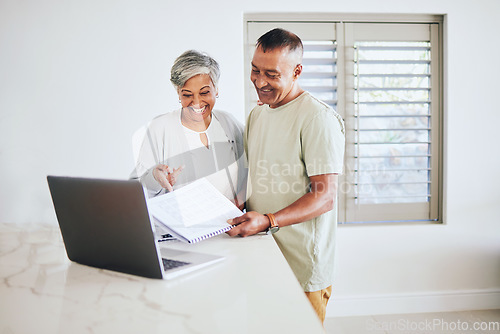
(194, 212)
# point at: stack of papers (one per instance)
(194, 212)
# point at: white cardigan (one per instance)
(165, 143)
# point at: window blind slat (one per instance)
(393, 48)
(392, 143)
(392, 89)
(393, 75)
(395, 115)
(390, 183)
(389, 130)
(319, 47)
(319, 88)
(393, 156)
(393, 170)
(319, 61)
(399, 196)
(393, 102)
(307, 75)
(393, 62)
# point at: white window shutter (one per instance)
(390, 175)
(385, 80)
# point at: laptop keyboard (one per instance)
(171, 264)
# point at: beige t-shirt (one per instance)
(284, 147)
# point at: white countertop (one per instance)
(252, 291)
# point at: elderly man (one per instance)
(295, 148)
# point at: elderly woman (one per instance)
(194, 141)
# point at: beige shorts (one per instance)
(319, 300)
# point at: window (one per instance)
(383, 75)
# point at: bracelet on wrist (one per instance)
(273, 227)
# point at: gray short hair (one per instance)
(192, 63)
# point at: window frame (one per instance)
(340, 25)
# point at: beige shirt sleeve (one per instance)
(323, 143)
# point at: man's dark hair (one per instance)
(280, 38)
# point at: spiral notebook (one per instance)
(194, 212)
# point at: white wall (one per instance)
(77, 78)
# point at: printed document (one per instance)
(194, 212)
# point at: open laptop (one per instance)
(106, 224)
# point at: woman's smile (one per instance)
(200, 110)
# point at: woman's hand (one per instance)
(165, 176)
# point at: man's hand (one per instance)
(165, 176)
(249, 224)
(319, 200)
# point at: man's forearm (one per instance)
(319, 200)
(307, 207)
